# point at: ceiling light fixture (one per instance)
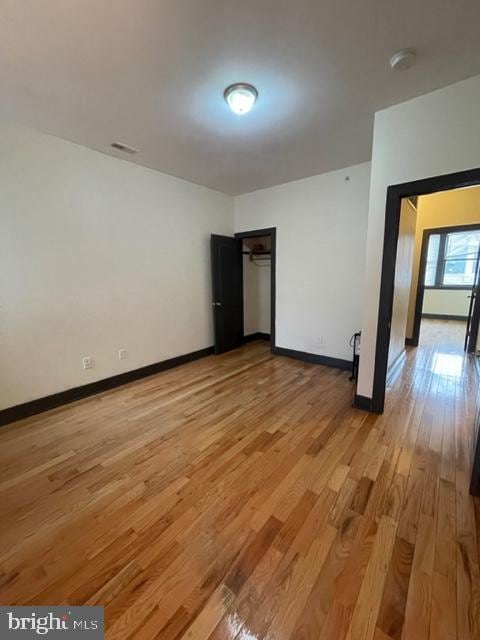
(403, 60)
(240, 97)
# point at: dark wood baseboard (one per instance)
(362, 402)
(12, 414)
(314, 358)
(256, 336)
(411, 342)
(442, 316)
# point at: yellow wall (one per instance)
(403, 279)
(443, 209)
(447, 302)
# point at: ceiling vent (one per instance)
(123, 147)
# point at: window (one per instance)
(432, 260)
(452, 259)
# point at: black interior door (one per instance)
(475, 478)
(227, 289)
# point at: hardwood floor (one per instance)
(242, 497)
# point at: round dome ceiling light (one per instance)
(240, 97)
(403, 59)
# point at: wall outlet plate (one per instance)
(122, 354)
(87, 362)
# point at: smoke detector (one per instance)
(403, 59)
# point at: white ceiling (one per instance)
(150, 74)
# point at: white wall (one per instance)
(431, 135)
(448, 302)
(321, 231)
(256, 297)
(264, 298)
(97, 254)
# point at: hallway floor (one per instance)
(450, 334)
(241, 496)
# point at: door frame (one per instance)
(395, 194)
(473, 321)
(414, 340)
(272, 232)
(475, 477)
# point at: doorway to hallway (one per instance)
(396, 196)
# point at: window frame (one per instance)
(443, 232)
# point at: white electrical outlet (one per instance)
(122, 354)
(87, 362)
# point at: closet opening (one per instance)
(243, 279)
(257, 278)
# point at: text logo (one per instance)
(51, 622)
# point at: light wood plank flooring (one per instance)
(242, 497)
